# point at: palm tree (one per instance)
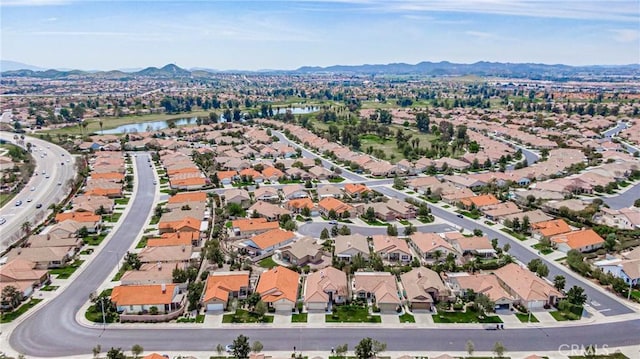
(26, 227)
(100, 123)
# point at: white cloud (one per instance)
(625, 35)
(481, 34)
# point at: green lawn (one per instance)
(521, 237)
(375, 222)
(113, 217)
(564, 316)
(469, 214)
(635, 294)
(542, 249)
(524, 318)
(66, 271)
(198, 319)
(121, 201)
(600, 356)
(94, 240)
(336, 180)
(407, 318)
(464, 317)
(404, 222)
(352, 314)
(50, 288)
(299, 318)
(6, 198)
(8, 317)
(142, 243)
(243, 316)
(154, 220)
(119, 274)
(267, 263)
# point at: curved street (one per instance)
(50, 159)
(53, 331)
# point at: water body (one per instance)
(161, 125)
(149, 126)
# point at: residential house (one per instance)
(342, 210)
(379, 287)
(227, 177)
(268, 194)
(479, 201)
(296, 206)
(238, 196)
(623, 218)
(272, 174)
(475, 246)
(423, 287)
(294, 191)
(528, 289)
(245, 227)
(356, 190)
(500, 210)
(132, 299)
(392, 249)
(51, 240)
(278, 288)
(347, 247)
(151, 273)
(487, 284)
(626, 269)
(302, 252)
(185, 224)
(549, 229)
(269, 241)
(223, 286)
(89, 220)
(167, 254)
(324, 288)
(329, 191)
(43, 257)
(320, 173)
(23, 275)
(431, 246)
(268, 210)
(585, 240)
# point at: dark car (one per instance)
(39, 205)
(460, 216)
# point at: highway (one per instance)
(49, 159)
(52, 331)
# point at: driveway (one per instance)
(315, 318)
(390, 319)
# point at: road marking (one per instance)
(594, 303)
(604, 310)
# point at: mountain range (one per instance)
(444, 68)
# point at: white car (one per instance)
(33, 189)
(29, 200)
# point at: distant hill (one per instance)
(481, 68)
(8, 65)
(444, 68)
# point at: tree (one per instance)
(341, 350)
(559, 282)
(636, 203)
(409, 230)
(344, 231)
(253, 299)
(11, 297)
(260, 308)
(610, 241)
(324, 234)
(370, 214)
(506, 247)
(392, 230)
(483, 303)
(96, 350)
(398, 183)
(306, 212)
(26, 227)
(470, 347)
(132, 261)
(256, 347)
(368, 348)
(499, 349)
(136, 350)
(241, 347)
(116, 353)
(576, 296)
(219, 349)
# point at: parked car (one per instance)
(18, 203)
(3, 220)
(39, 205)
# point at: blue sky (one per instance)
(252, 35)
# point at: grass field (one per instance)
(66, 271)
(407, 318)
(267, 263)
(8, 317)
(299, 318)
(524, 318)
(243, 316)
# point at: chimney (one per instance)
(159, 265)
(164, 288)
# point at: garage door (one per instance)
(215, 307)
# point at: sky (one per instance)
(254, 35)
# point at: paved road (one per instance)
(55, 324)
(615, 130)
(49, 158)
(314, 228)
(601, 302)
(624, 199)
